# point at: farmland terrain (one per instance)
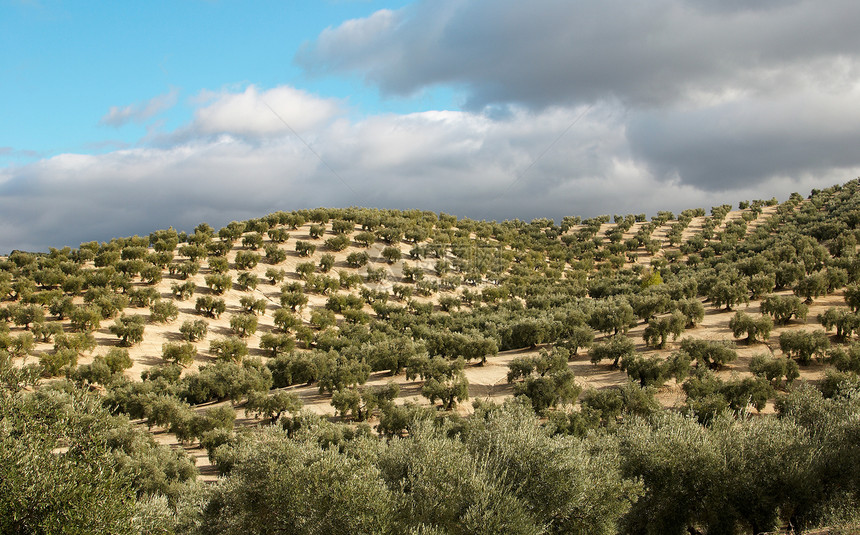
(379, 343)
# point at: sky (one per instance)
(120, 118)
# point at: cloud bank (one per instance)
(570, 108)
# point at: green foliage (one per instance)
(277, 344)
(783, 307)
(246, 260)
(391, 254)
(654, 371)
(708, 395)
(117, 360)
(244, 325)
(357, 259)
(194, 330)
(226, 379)
(218, 283)
(129, 329)
(774, 369)
(326, 263)
(142, 297)
(612, 317)
(845, 322)
(365, 239)
(278, 235)
(448, 390)
(294, 299)
(754, 328)
(729, 293)
(177, 353)
(305, 248)
(272, 406)
(810, 287)
(252, 241)
(579, 337)
(337, 243)
(183, 291)
(360, 403)
(609, 405)
(24, 315)
(63, 469)
(247, 281)
(275, 276)
(210, 306)
(229, 349)
(803, 345)
(657, 331)
(713, 354)
(163, 311)
(852, 297)
(337, 372)
(219, 264)
(17, 346)
(322, 319)
(614, 349)
(375, 274)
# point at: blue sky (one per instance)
(65, 64)
(119, 118)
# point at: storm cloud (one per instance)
(551, 52)
(715, 94)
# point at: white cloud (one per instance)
(259, 113)
(140, 112)
(458, 162)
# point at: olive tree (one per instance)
(754, 328)
(210, 306)
(229, 349)
(246, 260)
(129, 329)
(218, 283)
(163, 311)
(713, 354)
(182, 354)
(244, 325)
(658, 330)
(194, 330)
(783, 307)
(845, 322)
(391, 254)
(803, 345)
(616, 348)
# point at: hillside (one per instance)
(383, 319)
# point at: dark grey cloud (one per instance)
(713, 95)
(726, 146)
(571, 52)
